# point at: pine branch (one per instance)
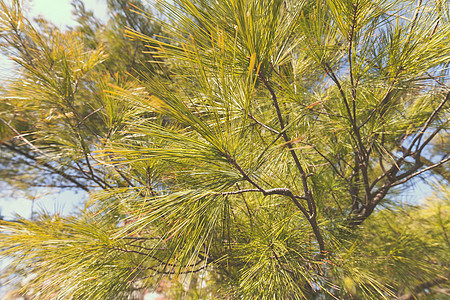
(47, 165)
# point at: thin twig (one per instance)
(421, 171)
(263, 125)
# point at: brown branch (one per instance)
(437, 81)
(361, 156)
(263, 125)
(350, 58)
(275, 191)
(312, 213)
(428, 140)
(421, 171)
(333, 77)
(130, 184)
(334, 167)
(92, 113)
(46, 165)
(428, 121)
(311, 205)
(394, 167)
(234, 163)
(202, 258)
(36, 149)
(440, 170)
(408, 151)
(168, 272)
(21, 136)
(240, 192)
(391, 181)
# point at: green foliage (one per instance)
(256, 154)
(408, 245)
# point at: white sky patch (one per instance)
(48, 200)
(6, 65)
(57, 11)
(60, 11)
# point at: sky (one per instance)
(59, 13)
(48, 200)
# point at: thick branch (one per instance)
(333, 77)
(361, 156)
(311, 204)
(312, 213)
(350, 58)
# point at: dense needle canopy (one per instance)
(249, 149)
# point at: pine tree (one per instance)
(260, 159)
